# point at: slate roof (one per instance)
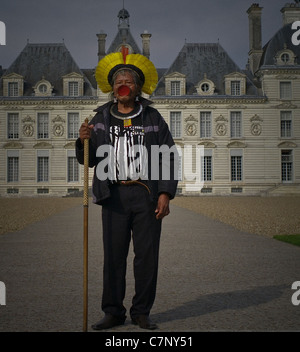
(281, 40)
(195, 60)
(48, 61)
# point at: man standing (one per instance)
(134, 194)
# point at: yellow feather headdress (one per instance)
(137, 62)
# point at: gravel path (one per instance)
(260, 215)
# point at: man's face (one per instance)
(125, 79)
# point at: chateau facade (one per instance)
(247, 121)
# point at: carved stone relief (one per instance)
(28, 128)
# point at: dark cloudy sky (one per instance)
(171, 23)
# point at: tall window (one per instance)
(206, 168)
(13, 126)
(235, 87)
(287, 165)
(236, 165)
(205, 124)
(236, 124)
(12, 168)
(175, 88)
(43, 169)
(73, 125)
(73, 169)
(73, 89)
(43, 125)
(285, 90)
(175, 124)
(285, 124)
(13, 89)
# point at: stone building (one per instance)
(246, 122)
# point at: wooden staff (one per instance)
(85, 231)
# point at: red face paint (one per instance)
(123, 91)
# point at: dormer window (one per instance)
(13, 89)
(235, 84)
(73, 85)
(285, 57)
(175, 84)
(235, 87)
(205, 87)
(73, 89)
(175, 87)
(43, 88)
(13, 85)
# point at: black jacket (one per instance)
(156, 134)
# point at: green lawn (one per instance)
(293, 239)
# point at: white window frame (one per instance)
(207, 166)
(287, 166)
(13, 166)
(286, 124)
(235, 88)
(175, 88)
(285, 90)
(205, 124)
(42, 125)
(43, 166)
(73, 88)
(236, 124)
(236, 165)
(73, 125)
(13, 126)
(72, 167)
(13, 89)
(176, 124)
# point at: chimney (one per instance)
(255, 37)
(101, 45)
(146, 43)
(290, 13)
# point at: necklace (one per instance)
(126, 117)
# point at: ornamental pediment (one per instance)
(13, 75)
(43, 145)
(236, 144)
(287, 144)
(13, 145)
(221, 118)
(191, 118)
(286, 105)
(73, 75)
(28, 119)
(175, 75)
(207, 144)
(70, 145)
(58, 118)
(256, 118)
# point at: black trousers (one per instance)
(130, 213)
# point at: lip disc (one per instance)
(123, 91)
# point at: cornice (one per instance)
(10, 103)
(207, 101)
